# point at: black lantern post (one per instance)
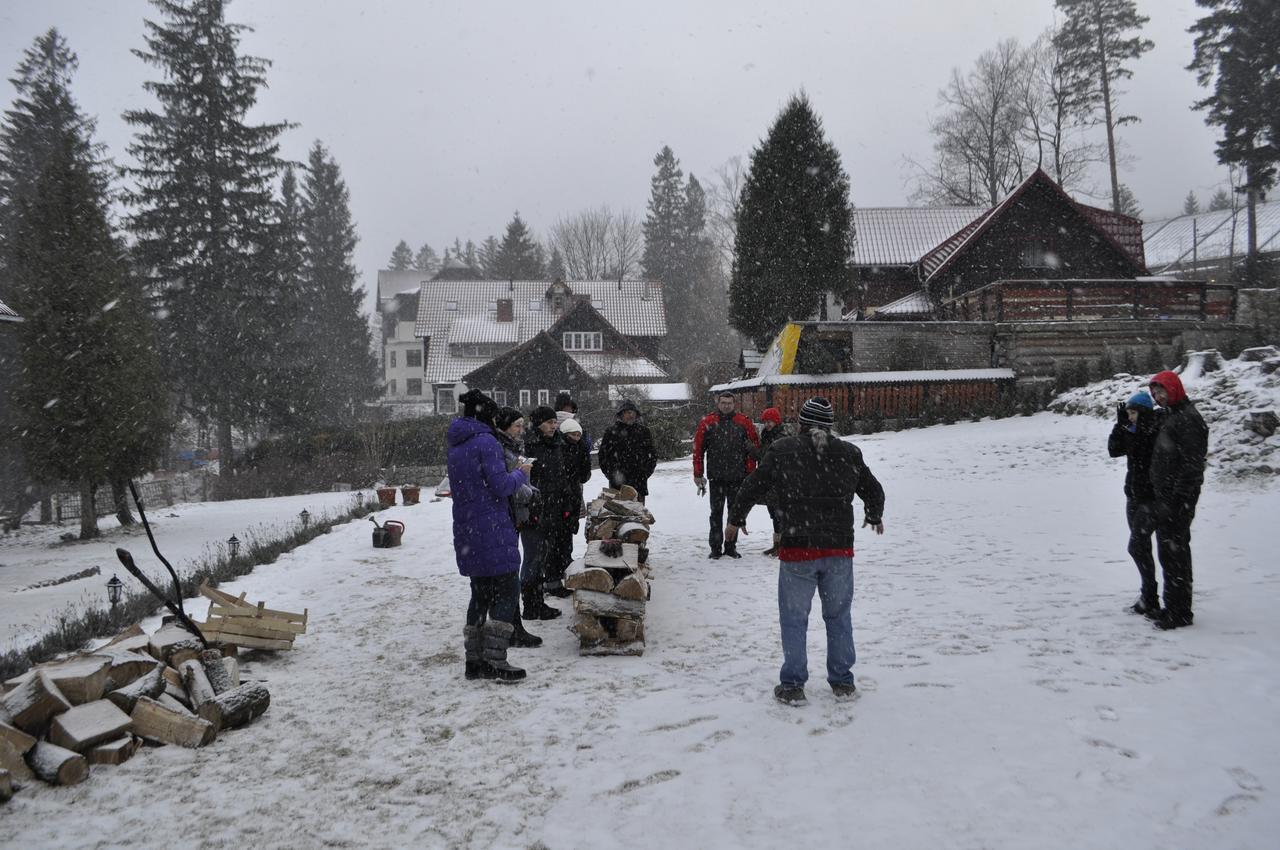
(233, 546)
(305, 516)
(114, 588)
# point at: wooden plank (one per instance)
(278, 623)
(245, 626)
(155, 722)
(238, 602)
(248, 641)
(606, 605)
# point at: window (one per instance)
(413, 386)
(445, 402)
(1038, 254)
(583, 341)
(500, 397)
(524, 399)
(413, 358)
(544, 397)
(393, 359)
(391, 387)
(535, 305)
(451, 306)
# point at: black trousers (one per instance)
(1142, 524)
(1173, 543)
(493, 598)
(557, 549)
(722, 492)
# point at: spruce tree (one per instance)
(488, 254)
(291, 370)
(1190, 204)
(91, 394)
(1221, 200)
(1128, 202)
(470, 257)
(1096, 40)
(1237, 47)
(555, 265)
(344, 363)
(426, 260)
(202, 212)
(794, 226)
(517, 256)
(662, 225)
(401, 257)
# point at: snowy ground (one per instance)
(187, 533)
(1007, 699)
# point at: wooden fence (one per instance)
(897, 400)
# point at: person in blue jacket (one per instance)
(484, 537)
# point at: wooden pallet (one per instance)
(234, 620)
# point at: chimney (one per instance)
(506, 310)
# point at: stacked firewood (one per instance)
(610, 583)
(98, 707)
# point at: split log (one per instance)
(630, 510)
(118, 751)
(177, 693)
(607, 605)
(11, 761)
(82, 679)
(628, 631)
(132, 639)
(182, 655)
(199, 691)
(6, 786)
(627, 493)
(634, 587)
(156, 722)
(633, 532)
(581, 577)
(236, 707)
(217, 673)
(86, 725)
(56, 765)
(588, 628)
(125, 634)
(151, 685)
(34, 703)
(169, 639)
(174, 704)
(126, 667)
(18, 739)
(232, 665)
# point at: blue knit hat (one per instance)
(1140, 399)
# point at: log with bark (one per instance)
(581, 577)
(217, 673)
(154, 721)
(199, 691)
(57, 765)
(151, 685)
(171, 638)
(87, 725)
(588, 628)
(236, 707)
(126, 667)
(113, 752)
(34, 703)
(607, 605)
(634, 587)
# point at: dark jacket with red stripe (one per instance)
(814, 491)
(728, 442)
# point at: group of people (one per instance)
(517, 481)
(1165, 450)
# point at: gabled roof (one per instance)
(898, 236)
(8, 315)
(627, 362)
(1114, 227)
(634, 307)
(541, 341)
(916, 304)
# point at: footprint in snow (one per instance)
(1106, 712)
(651, 779)
(710, 741)
(1107, 745)
(683, 724)
(1246, 780)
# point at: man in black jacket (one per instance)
(543, 535)
(1177, 472)
(627, 455)
(815, 477)
(726, 439)
(1133, 437)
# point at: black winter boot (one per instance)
(1147, 606)
(535, 608)
(789, 694)
(522, 638)
(497, 637)
(471, 641)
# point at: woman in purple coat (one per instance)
(484, 538)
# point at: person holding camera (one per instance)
(1133, 436)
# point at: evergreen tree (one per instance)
(1221, 200)
(91, 394)
(291, 370)
(662, 225)
(555, 265)
(1191, 204)
(517, 256)
(487, 255)
(1129, 202)
(402, 257)
(1096, 40)
(203, 211)
(794, 227)
(470, 257)
(426, 260)
(1237, 47)
(344, 364)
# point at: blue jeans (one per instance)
(531, 538)
(833, 579)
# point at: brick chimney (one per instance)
(506, 310)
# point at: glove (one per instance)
(1122, 413)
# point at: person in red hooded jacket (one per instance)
(1177, 473)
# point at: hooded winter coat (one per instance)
(484, 537)
(1182, 443)
(627, 455)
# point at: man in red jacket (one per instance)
(727, 439)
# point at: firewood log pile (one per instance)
(97, 708)
(610, 583)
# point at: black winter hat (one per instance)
(540, 415)
(505, 417)
(627, 404)
(817, 413)
(478, 406)
(564, 401)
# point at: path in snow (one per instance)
(1007, 700)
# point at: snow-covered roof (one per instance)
(915, 376)
(916, 304)
(1208, 237)
(634, 307)
(392, 283)
(898, 236)
(616, 366)
(8, 315)
(751, 358)
(652, 392)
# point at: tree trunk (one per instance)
(1251, 207)
(120, 496)
(225, 451)
(88, 510)
(1106, 107)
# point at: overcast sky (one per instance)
(447, 117)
